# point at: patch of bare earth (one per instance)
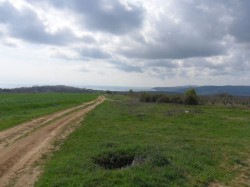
(242, 179)
(215, 184)
(22, 147)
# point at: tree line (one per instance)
(191, 98)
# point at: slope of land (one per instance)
(18, 108)
(128, 143)
(23, 146)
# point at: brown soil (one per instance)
(22, 147)
(243, 179)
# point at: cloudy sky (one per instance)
(124, 42)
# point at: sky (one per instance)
(124, 42)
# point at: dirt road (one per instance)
(22, 147)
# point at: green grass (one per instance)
(18, 108)
(172, 147)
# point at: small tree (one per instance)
(191, 97)
(131, 92)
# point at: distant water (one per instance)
(119, 88)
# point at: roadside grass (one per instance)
(18, 108)
(128, 144)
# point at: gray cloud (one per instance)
(126, 67)
(88, 39)
(188, 38)
(93, 52)
(80, 53)
(105, 16)
(240, 27)
(236, 65)
(162, 63)
(174, 50)
(25, 25)
(195, 31)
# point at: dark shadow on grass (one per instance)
(115, 160)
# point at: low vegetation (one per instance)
(225, 99)
(18, 108)
(190, 98)
(124, 142)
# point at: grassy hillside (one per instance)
(17, 108)
(127, 143)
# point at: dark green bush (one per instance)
(190, 97)
(160, 98)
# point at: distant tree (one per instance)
(190, 97)
(131, 92)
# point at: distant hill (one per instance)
(209, 90)
(47, 89)
(201, 90)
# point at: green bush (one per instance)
(190, 97)
(161, 98)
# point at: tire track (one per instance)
(23, 146)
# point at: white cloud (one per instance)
(142, 43)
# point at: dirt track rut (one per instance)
(22, 147)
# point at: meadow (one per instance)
(127, 143)
(18, 108)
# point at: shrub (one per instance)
(191, 97)
(163, 99)
(145, 97)
(176, 99)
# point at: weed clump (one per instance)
(114, 160)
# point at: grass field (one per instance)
(164, 144)
(18, 108)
